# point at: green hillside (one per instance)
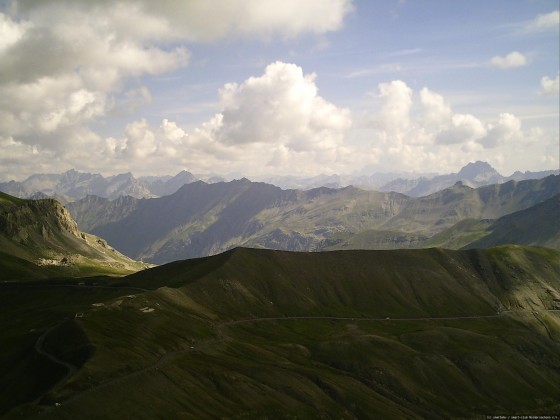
(537, 225)
(257, 333)
(9, 201)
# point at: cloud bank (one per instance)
(67, 64)
(277, 122)
(271, 120)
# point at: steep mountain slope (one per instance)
(257, 333)
(93, 210)
(445, 208)
(42, 233)
(202, 219)
(537, 225)
(161, 186)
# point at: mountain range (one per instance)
(73, 185)
(474, 174)
(203, 219)
(260, 333)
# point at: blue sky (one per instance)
(265, 88)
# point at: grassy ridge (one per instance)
(180, 350)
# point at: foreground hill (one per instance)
(257, 333)
(204, 219)
(39, 239)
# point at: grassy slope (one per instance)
(441, 210)
(539, 225)
(13, 268)
(460, 234)
(373, 239)
(8, 200)
(347, 368)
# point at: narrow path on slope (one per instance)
(40, 343)
(77, 286)
(40, 349)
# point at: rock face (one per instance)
(40, 216)
(479, 172)
(43, 232)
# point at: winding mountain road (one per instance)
(40, 349)
(164, 358)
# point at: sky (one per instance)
(266, 87)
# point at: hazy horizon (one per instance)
(270, 178)
(262, 88)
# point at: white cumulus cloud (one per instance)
(513, 59)
(66, 64)
(420, 130)
(397, 102)
(464, 128)
(550, 87)
(508, 128)
(544, 22)
(281, 106)
(265, 124)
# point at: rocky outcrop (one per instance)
(43, 232)
(39, 216)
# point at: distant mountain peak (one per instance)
(242, 181)
(184, 175)
(476, 170)
(124, 175)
